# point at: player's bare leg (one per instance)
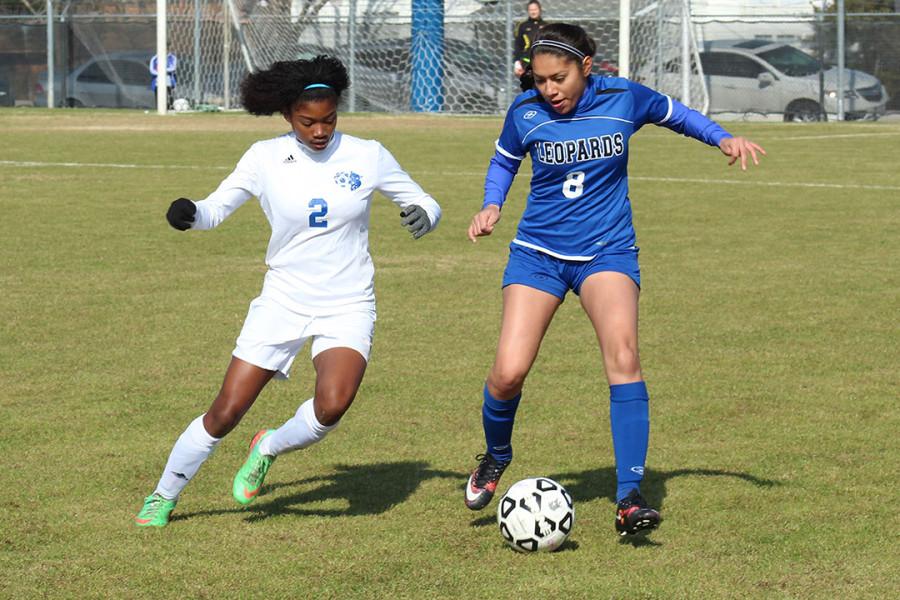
(339, 373)
(241, 386)
(527, 313)
(611, 301)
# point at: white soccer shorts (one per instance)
(272, 335)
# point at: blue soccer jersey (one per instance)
(578, 205)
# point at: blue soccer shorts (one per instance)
(557, 276)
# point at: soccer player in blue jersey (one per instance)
(576, 234)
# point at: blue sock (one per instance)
(498, 416)
(629, 418)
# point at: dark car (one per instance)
(115, 80)
(6, 94)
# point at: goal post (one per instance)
(624, 38)
(162, 53)
(662, 50)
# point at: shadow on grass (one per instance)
(601, 483)
(593, 484)
(567, 546)
(367, 489)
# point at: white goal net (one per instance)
(451, 56)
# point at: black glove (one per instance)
(415, 219)
(181, 214)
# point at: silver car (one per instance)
(116, 80)
(771, 77)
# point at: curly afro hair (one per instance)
(276, 89)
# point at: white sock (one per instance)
(300, 431)
(190, 451)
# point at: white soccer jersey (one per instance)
(318, 205)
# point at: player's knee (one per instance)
(506, 381)
(624, 361)
(330, 405)
(221, 419)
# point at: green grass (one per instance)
(769, 337)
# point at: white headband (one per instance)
(559, 46)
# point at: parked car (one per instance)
(772, 77)
(6, 94)
(115, 80)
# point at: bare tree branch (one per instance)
(30, 7)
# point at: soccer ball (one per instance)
(536, 515)
(181, 105)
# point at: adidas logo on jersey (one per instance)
(290, 159)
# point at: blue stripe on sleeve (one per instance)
(500, 174)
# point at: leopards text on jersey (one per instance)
(579, 203)
(317, 204)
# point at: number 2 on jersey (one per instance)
(317, 218)
(573, 186)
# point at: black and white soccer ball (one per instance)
(536, 515)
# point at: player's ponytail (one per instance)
(277, 88)
(564, 40)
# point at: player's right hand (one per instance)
(181, 214)
(483, 222)
(740, 148)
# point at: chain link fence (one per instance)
(453, 56)
(786, 65)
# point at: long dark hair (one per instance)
(277, 88)
(566, 34)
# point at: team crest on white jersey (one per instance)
(530, 115)
(348, 179)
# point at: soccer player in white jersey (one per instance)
(576, 234)
(315, 186)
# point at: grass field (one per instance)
(769, 338)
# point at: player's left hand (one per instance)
(740, 148)
(415, 219)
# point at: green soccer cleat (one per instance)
(250, 477)
(155, 512)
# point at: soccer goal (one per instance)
(449, 56)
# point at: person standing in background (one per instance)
(171, 65)
(525, 33)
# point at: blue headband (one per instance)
(313, 86)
